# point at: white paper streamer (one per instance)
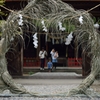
(44, 27)
(35, 41)
(20, 21)
(60, 27)
(69, 38)
(81, 19)
(96, 25)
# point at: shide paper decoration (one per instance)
(61, 28)
(44, 27)
(81, 19)
(35, 41)
(20, 20)
(69, 38)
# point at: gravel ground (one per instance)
(50, 89)
(50, 98)
(49, 92)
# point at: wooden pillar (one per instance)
(21, 68)
(86, 67)
(38, 49)
(76, 49)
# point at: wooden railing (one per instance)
(30, 62)
(73, 62)
(62, 62)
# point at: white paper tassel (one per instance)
(35, 44)
(60, 27)
(35, 41)
(96, 25)
(44, 27)
(81, 19)
(69, 38)
(20, 16)
(35, 36)
(12, 39)
(20, 21)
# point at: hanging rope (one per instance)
(66, 18)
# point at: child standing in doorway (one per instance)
(49, 65)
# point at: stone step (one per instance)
(31, 70)
(52, 75)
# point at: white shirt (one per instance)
(42, 54)
(54, 55)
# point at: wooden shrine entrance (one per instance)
(17, 60)
(31, 58)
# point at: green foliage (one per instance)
(69, 27)
(37, 24)
(2, 3)
(96, 20)
(53, 26)
(31, 73)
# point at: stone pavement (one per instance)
(50, 86)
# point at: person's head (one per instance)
(53, 50)
(49, 60)
(42, 48)
(56, 51)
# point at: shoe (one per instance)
(40, 68)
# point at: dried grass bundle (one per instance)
(52, 12)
